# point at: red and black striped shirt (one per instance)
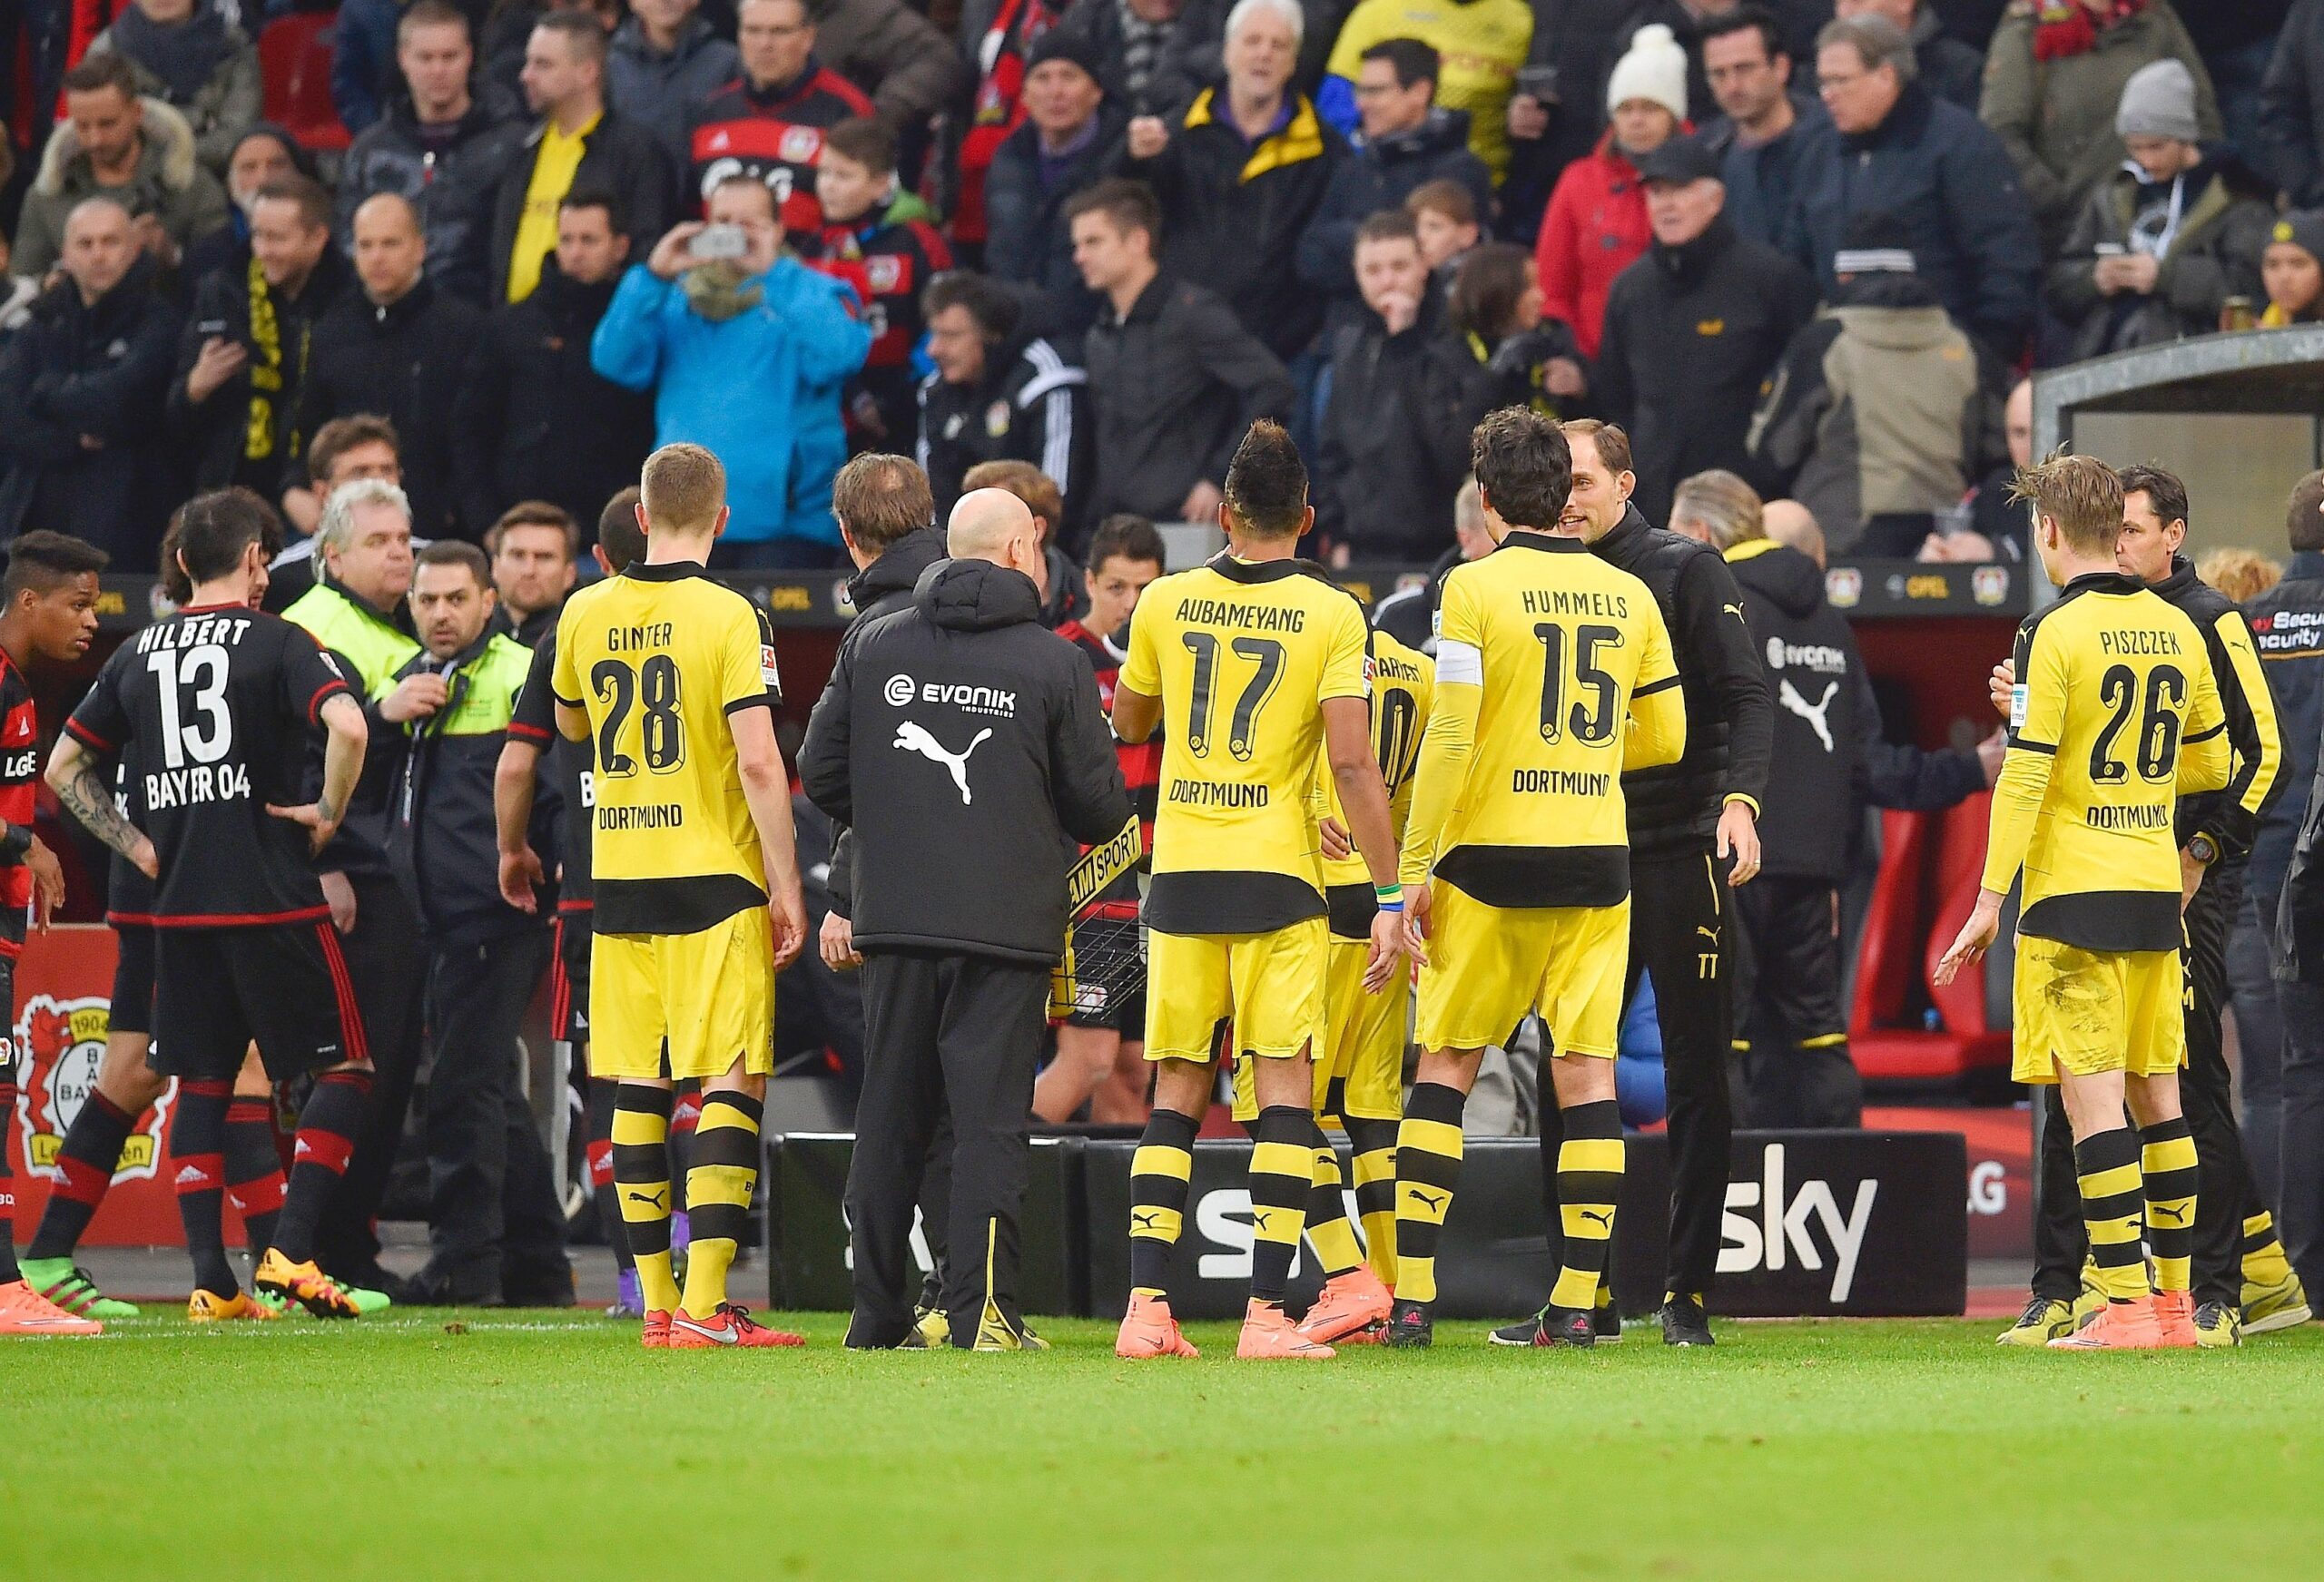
(775, 136)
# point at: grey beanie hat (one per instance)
(2159, 101)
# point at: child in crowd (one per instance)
(2293, 270)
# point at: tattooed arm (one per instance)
(72, 775)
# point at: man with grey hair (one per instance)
(958, 796)
(1409, 615)
(363, 562)
(82, 386)
(1932, 165)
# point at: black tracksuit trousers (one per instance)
(2225, 1193)
(386, 957)
(942, 1033)
(1791, 1034)
(1680, 913)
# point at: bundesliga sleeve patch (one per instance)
(767, 671)
(2017, 706)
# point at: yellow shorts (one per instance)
(2092, 1011)
(1363, 1043)
(1488, 965)
(711, 994)
(1271, 985)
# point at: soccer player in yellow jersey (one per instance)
(1360, 1067)
(1553, 676)
(2114, 714)
(696, 881)
(1253, 663)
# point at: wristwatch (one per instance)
(2203, 849)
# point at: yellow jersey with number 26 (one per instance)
(658, 657)
(1243, 656)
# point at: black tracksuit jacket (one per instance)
(966, 799)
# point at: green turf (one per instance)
(550, 1445)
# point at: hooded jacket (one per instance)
(761, 388)
(1394, 444)
(169, 183)
(1233, 211)
(980, 784)
(452, 186)
(404, 362)
(1674, 809)
(657, 88)
(1691, 333)
(1382, 175)
(2056, 117)
(1829, 758)
(882, 588)
(2214, 254)
(441, 833)
(1175, 383)
(74, 371)
(1932, 165)
(1594, 230)
(534, 420)
(223, 104)
(1881, 408)
(216, 433)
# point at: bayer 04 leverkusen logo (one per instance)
(62, 1041)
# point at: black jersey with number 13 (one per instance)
(212, 709)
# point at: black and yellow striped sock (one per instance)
(725, 1168)
(2167, 1163)
(2106, 1165)
(1374, 1170)
(1590, 1161)
(1283, 1167)
(1328, 1230)
(1158, 1173)
(2264, 1263)
(641, 1139)
(1428, 1169)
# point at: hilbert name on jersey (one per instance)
(193, 633)
(197, 647)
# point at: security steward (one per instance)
(496, 1227)
(964, 744)
(362, 562)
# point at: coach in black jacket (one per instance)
(1687, 820)
(965, 745)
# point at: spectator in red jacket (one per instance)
(1596, 225)
(769, 123)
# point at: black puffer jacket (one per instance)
(882, 588)
(978, 782)
(1396, 436)
(1675, 809)
(1829, 759)
(452, 185)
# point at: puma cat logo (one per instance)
(912, 738)
(1814, 713)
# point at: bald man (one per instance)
(963, 743)
(1794, 525)
(395, 349)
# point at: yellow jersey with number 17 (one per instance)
(658, 658)
(1243, 656)
(2115, 716)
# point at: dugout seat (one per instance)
(294, 63)
(1929, 868)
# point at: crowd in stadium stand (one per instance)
(1812, 247)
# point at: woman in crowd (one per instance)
(1530, 360)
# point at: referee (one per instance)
(964, 745)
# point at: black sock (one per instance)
(326, 1129)
(254, 1181)
(1158, 1173)
(197, 1148)
(1591, 1162)
(1282, 1169)
(89, 1155)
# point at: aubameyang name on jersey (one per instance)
(192, 632)
(2136, 816)
(1560, 782)
(2137, 640)
(1218, 794)
(1577, 602)
(1201, 612)
(630, 639)
(199, 782)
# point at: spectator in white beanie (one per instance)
(1596, 227)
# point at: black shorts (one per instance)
(284, 984)
(132, 979)
(569, 982)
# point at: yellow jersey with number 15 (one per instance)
(1243, 656)
(658, 658)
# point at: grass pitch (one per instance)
(435, 1445)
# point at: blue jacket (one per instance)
(1946, 176)
(1762, 182)
(762, 389)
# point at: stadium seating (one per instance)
(1929, 867)
(295, 59)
